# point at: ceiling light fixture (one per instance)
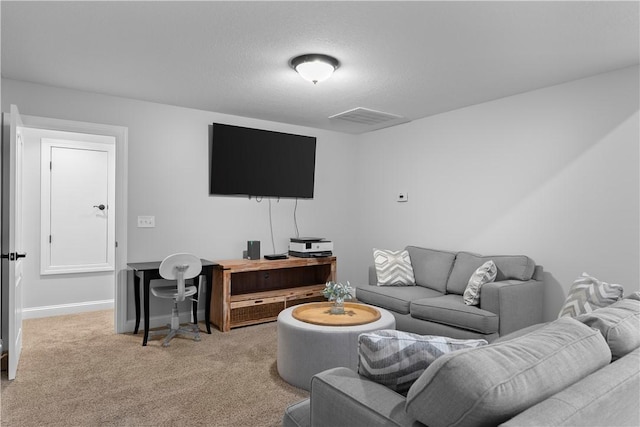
(314, 67)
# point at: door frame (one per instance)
(120, 133)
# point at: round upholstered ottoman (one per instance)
(305, 349)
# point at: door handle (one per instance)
(12, 256)
(100, 206)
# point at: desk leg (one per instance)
(207, 297)
(194, 305)
(136, 297)
(146, 285)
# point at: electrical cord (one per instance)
(273, 245)
(295, 220)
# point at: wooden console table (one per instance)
(247, 292)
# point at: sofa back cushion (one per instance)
(489, 385)
(431, 267)
(608, 397)
(510, 267)
(619, 324)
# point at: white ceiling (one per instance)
(412, 59)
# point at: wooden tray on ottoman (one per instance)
(319, 313)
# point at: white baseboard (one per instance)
(61, 309)
(160, 321)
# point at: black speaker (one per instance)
(253, 249)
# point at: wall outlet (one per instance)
(146, 221)
(403, 196)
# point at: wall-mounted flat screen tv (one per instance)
(261, 163)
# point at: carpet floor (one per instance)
(74, 371)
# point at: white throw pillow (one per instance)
(587, 294)
(486, 273)
(393, 268)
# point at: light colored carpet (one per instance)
(74, 371)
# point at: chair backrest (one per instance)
(180, 267)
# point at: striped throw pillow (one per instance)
(486, 273)
(396, 358)
(393, 268)
(587, 294)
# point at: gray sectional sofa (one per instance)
(569, 372)
(435, 306)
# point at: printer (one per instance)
(309, 247)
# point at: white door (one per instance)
(12, 240)
(78, 196)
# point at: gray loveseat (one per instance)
(557, 374)
(435, 306)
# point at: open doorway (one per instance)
(68, 222)
(103, 289)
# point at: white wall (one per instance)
(551, 173)
(168, 178)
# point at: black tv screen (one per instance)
(261, 163)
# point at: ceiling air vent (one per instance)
(365, 116)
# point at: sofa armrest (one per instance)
(518, 304)
(340, 397)
(373, 276)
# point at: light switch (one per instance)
(403, 196)
(148, 221)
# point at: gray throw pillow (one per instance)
(393, 268)
(587, 294)
(396, 358)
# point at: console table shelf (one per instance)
(246, 292)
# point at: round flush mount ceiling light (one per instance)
(314, 67)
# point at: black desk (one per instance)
(148, 271)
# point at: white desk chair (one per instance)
(179, 267)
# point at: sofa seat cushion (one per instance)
(431, 267)
(491, 384)
(394, 298)
(509, 267)
(451, 310)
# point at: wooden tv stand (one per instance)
(246, 292)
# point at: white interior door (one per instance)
(78, 195)
(13, 243)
